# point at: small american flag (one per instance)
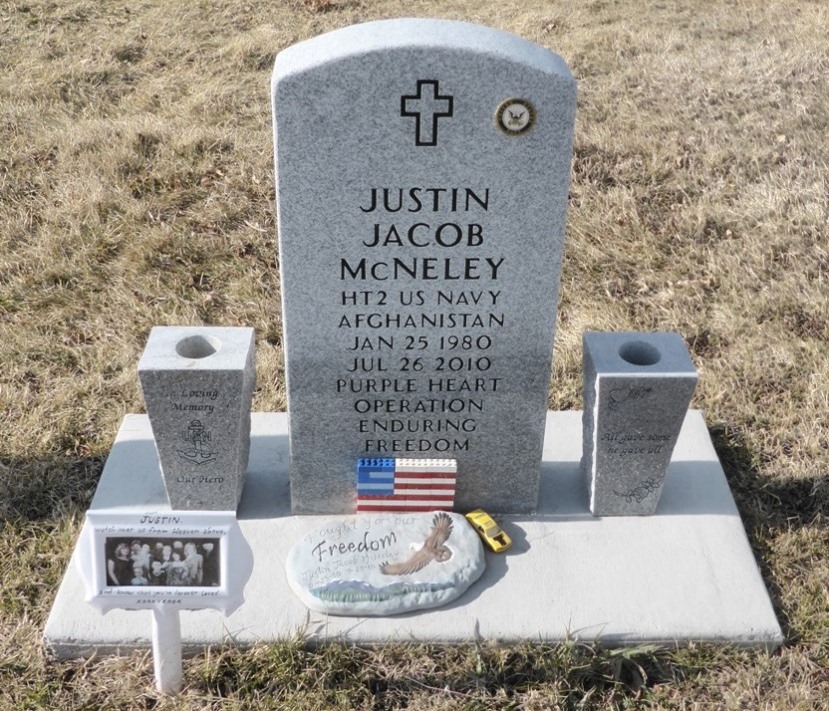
(389, 485)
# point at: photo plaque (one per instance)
(181, 560)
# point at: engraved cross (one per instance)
(426, 106)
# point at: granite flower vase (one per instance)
(198, 385)
(637, 388)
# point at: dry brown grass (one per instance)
(136, 188)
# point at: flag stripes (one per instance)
(399, 485)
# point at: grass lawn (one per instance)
(136, 188)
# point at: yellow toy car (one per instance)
(489, 531)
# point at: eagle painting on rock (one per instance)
(433, 548)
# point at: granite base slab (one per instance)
(686, 573)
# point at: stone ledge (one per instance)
(684, 574)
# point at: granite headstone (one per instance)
(198, 384)
(637, 388)
(422, 176)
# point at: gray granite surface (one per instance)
(686, 574)
(198, 385)
(637, 389)
(422, 174)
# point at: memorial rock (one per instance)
(374, 565)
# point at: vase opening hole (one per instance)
(197, 346)
(639, 353)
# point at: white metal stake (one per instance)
(167, 650)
